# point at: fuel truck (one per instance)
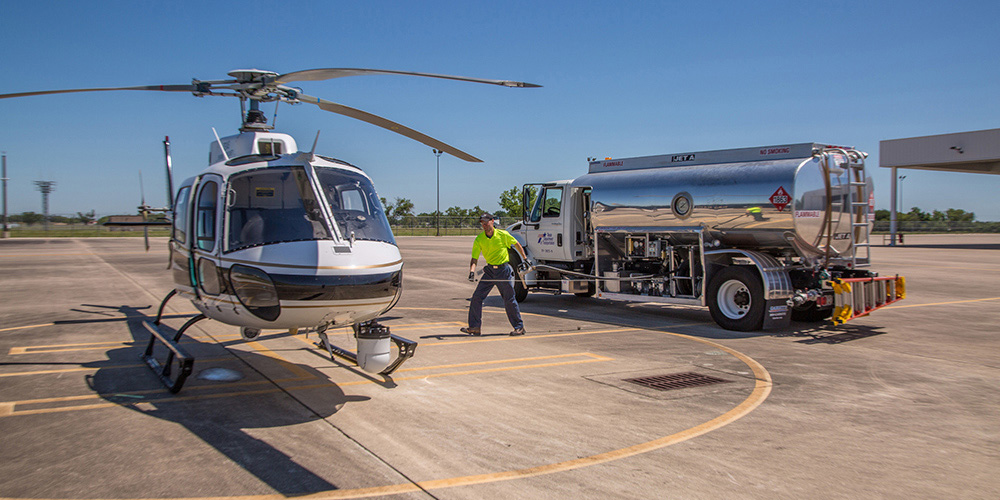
(761, 236)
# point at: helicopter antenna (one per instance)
(144, 210)
(312, 152)
(170, 173)
(224, 155)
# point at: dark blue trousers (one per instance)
(502, 277)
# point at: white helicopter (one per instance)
(272, 237)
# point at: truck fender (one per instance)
(777, 282)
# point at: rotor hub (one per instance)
(251, 75)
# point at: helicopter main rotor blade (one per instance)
(329, 73)
(387, 124)
(163, 88)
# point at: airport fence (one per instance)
(931, 226)
(445, 226)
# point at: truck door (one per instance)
(546, 223)
(579, 231)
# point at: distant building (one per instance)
(124, 219)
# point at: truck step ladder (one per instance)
(857, 297)
(854, 204)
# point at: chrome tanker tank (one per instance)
(809, 196)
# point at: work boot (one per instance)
(517, 331)
(471, 331)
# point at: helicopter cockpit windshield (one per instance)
(273, 205)
(355, 206)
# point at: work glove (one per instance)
(472, 276)
(523, 267)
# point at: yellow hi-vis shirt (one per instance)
(493, 249)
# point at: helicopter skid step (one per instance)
(406, 348)
(185, 361)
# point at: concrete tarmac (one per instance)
(900, 404)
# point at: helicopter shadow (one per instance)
(219, 421)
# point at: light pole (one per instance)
(437, 214)
(46, 187)
(6, 233)
(901, 192)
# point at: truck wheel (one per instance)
(736, 299)
(811, 313)
(520, 291)
(591, 290)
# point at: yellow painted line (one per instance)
(939, 303)
(25, 327)
(760, 392)
(8, 408)
(71, 321)
(96, 368)
(500, 361)
(529, 336)
(293, 368)
(69, 254)
(45, 349)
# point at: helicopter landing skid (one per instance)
(406, 347)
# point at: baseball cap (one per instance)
(486, 216)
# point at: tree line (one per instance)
(509, 204)
(400, 210)
(917, 215)
(36, 218)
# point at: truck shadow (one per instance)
(218, 412)
(689, 320)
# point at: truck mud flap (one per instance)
(777, 314)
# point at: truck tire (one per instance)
(520, 291)
(591, 290)
(736, 299)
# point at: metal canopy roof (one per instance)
(973, 152)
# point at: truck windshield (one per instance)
(356, 207)
(273, 205)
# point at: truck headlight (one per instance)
(256, 291)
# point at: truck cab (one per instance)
(557, 223)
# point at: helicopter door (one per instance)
(207, 229)
(179, 237)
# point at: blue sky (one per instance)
(620, 79)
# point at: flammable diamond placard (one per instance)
(780, 199)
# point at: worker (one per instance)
(493, 243)
(756, 213)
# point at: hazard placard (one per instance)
(780, 199)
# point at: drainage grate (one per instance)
(676, 381)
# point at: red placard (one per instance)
(780, 199)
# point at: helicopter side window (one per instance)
(354, 204)
(180, 214)
(273, 205)
(205, 220)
